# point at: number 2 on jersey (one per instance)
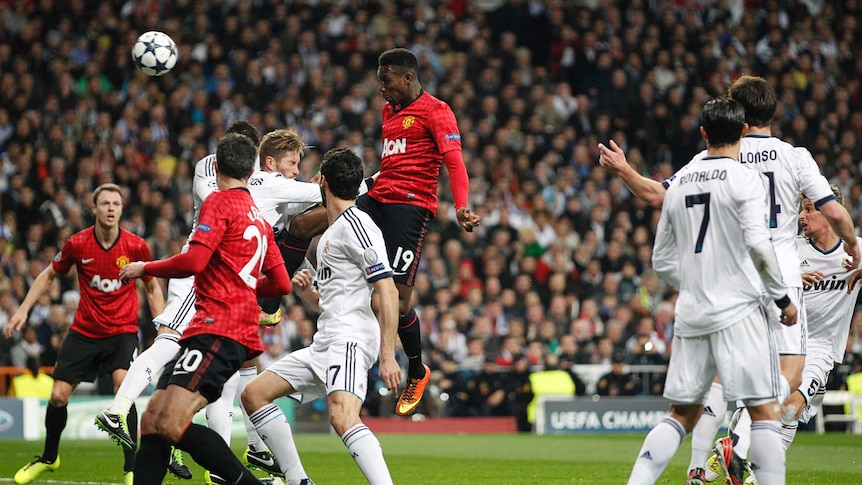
(691, 201)
(252, 232)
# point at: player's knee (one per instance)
(170, 429)
(59, 396)
(252, 398)
(148, 423)
(341, 421)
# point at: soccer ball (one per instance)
(155, 53)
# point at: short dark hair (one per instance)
(244, 128)
(757, 97)
(399, 57)
(722, 118)
(235, 155)
(343, 172)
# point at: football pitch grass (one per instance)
(460, 459)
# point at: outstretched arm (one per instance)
(614, 160)
(181, 265)
(842, 224)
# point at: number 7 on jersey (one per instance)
(691, 201)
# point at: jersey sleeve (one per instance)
(212, 224)
(814, 185)
(444, 129)
(204, 182)
(293, 191)
(665, 256)
(65, 259)
(367, 250)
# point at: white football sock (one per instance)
(658, 448)
(220, 411)
(368, 454)
(246, 375)
(742, 432)
(703, 434)
(142, 370)
(767, 452)
(275, 430)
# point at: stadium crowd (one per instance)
(559, 273)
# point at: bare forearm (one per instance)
(155, 297)
(648, 190)
(310, 298)
(40, 286)
(388, 317)
(840, 221)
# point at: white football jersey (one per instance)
(351, 256)
(204, 183)
(829, 307)
(712, 221)
(280, 198)
(786, 171)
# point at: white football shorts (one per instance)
(791, 340)
(743, 355)
(342, 367)
(180, 307)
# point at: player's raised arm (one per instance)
(613, 159)
(842, 224)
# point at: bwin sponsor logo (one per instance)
(832, 284)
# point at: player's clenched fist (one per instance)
(302, 279)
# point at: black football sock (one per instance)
(151, 462)
(269, 305)
(55, 423)
(411, 339)
(293, 251)
(129, 455)
(209, 450)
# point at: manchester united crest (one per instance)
(122, 261)
(408, 121)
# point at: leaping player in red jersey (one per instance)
(104, 334)
(420, 133)
(231, 248)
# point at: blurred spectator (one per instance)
(28, 346)
(486, 393)
(551, 380)
(618, 382)
(33, 382)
